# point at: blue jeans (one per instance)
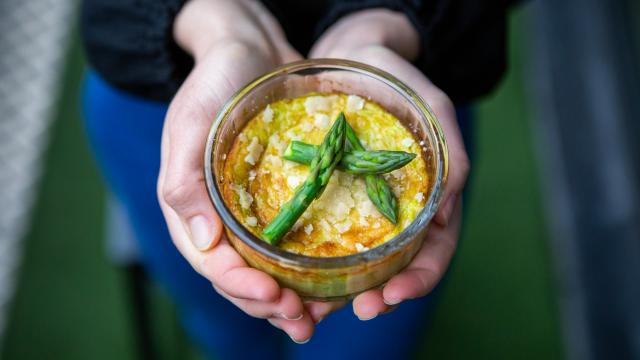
(125, 133)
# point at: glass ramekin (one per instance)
(328, 278)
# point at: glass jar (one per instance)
(328, 278)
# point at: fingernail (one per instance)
(299, 342)
(392, 302)
(447, 209)
(369, 318)
(291, 318)
(200, 232)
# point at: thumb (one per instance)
(181, 185)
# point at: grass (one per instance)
(498, 302)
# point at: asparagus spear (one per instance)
(301, 152)
(324, 162)
(354, 161)
(377, 188)
(382, 197)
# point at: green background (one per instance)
(498, 302)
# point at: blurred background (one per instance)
(549, 261)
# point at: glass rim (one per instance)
(379, 252)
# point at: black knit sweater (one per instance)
(130, 43)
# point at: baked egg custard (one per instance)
(257, 180)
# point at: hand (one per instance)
(232, 42)
(387, 40)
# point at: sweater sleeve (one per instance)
(130, 44)
(462, 42)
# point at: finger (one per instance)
(191, 219)
(287, 307)
(290, 306)
(369, 304)
(318, 310)
(330, 44)
(276, 36)
(360, 29)
(226, 269)
(429, 265)
(182, 238)
(181, 187)
(287, 53)
(300, 331)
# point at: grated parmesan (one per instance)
(293, 135)
(364, 205)
(321, 121)
(336, 200)
(308, 229)
(343, 226)
(288, 164)
(277, 144)
(361, 247)
(354, 103)
(244, 198)
(296, 225)
(251, 221)
(293, 181)
(398, 174)
(314, 104)
(255, 150)
(407, 142)
(419, 197)
(397, 189)
(267, 115)
(325, 225)
(274, 160)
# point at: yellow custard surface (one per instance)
(257, 180)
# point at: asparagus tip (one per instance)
(390, 215)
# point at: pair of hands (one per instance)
(232, 43)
